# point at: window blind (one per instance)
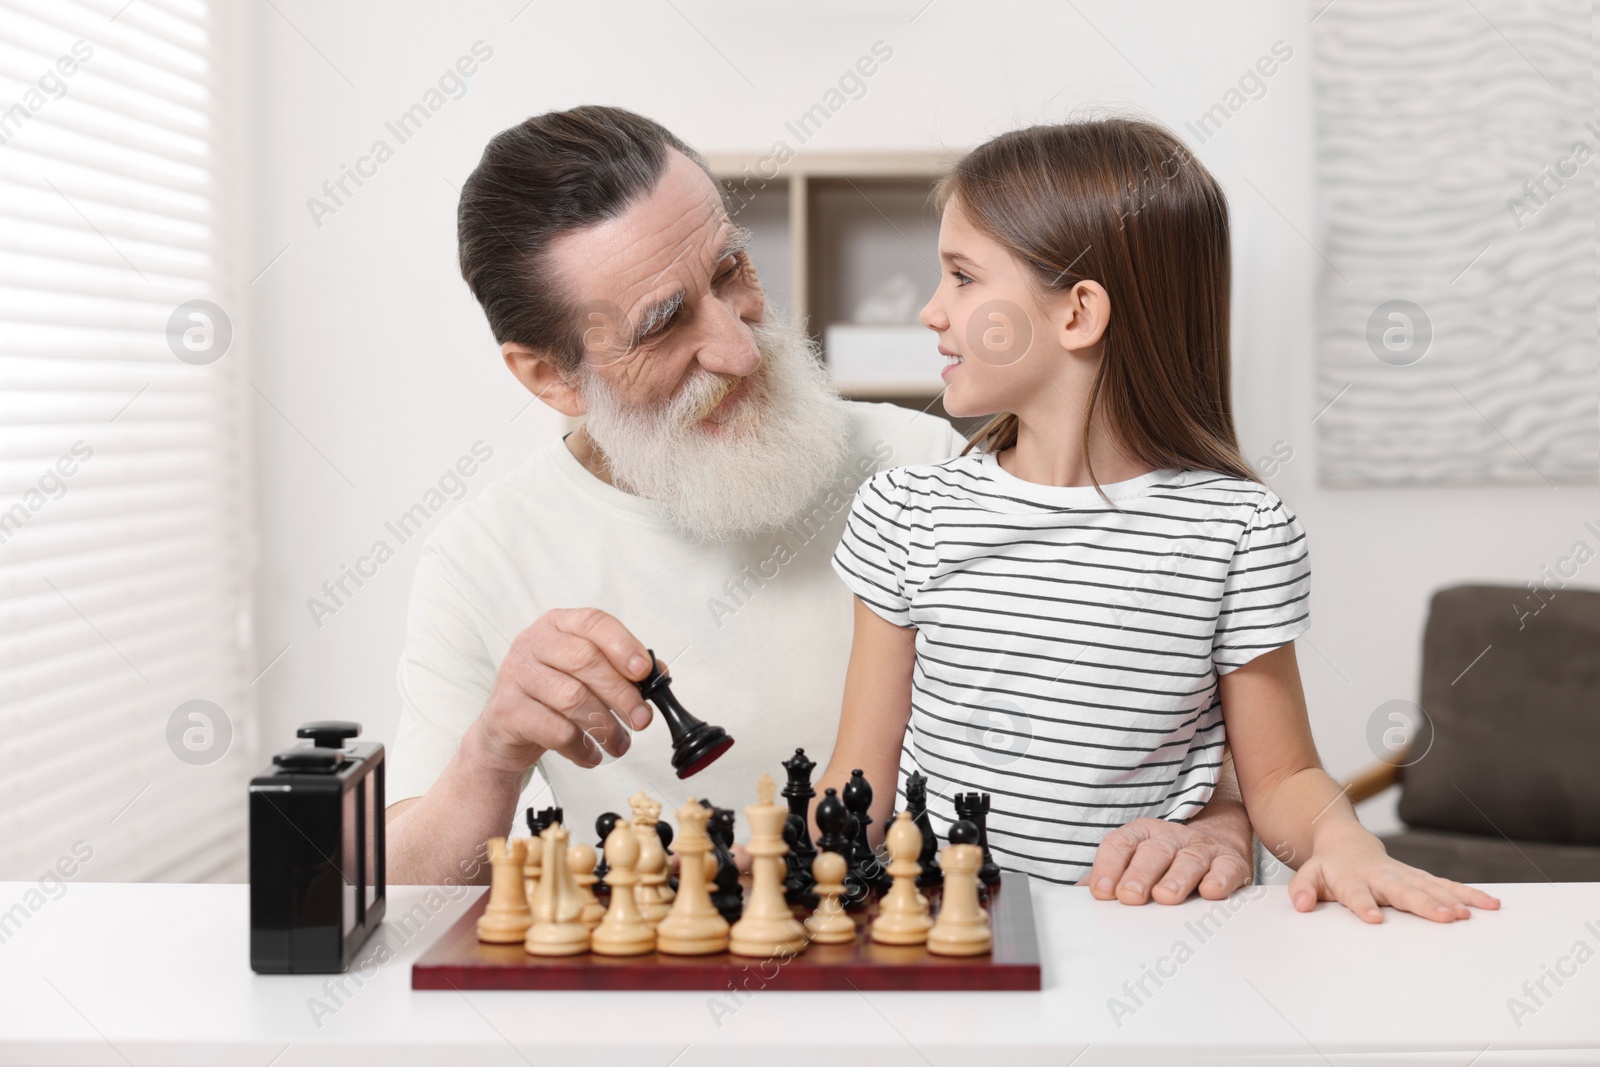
(127, 716)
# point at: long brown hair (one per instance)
(1122, 202)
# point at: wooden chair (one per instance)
(1507, 784)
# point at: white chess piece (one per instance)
(962, 928)
(652, 859)
(557, 928)
(581, 861)
(903, 917)
(830, 924)
(768, 927)
(693, 927)
(506, 919)
(623, 931)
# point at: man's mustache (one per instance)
(725, 384)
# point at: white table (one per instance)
(159, 974)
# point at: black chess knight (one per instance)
(917, 805)
(727, 896)
(798, 882)
(664, 832)
(603, 827)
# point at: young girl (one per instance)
(1074, 617)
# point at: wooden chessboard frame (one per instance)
(458, 960)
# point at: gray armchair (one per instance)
(1507, 788)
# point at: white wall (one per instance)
(380, 370)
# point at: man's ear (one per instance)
(540, 377)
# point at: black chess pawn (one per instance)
(798, 793)
(864, 865)
(837, 834)
(974, 807)
(603, 827)
(917, 804)
(664, 831)
(727, 896)
(695, 744)
(832, 817)
(798, 882)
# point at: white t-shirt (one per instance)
(1068, 651)
(756, 633)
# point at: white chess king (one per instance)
(768, 927)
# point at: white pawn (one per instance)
(830, 924)
(582, 860)
(507, 918)
(557, 929)
(962, 928)
(623, 931)
(903, 913)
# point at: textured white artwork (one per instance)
(1457, 147)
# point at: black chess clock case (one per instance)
(316, 852)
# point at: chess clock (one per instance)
(316, 852)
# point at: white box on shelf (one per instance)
(883, 359)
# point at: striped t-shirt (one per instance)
(1067, 651)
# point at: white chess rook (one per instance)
(506, 919)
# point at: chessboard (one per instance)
(458, 960)
(827, 914)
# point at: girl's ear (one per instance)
(541, 378)
(1081, 315)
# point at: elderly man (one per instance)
(695, 512)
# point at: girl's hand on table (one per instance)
(1356, 871)
(1153, 859)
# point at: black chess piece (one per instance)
(798, 793)
(664, 831)
(603, 827)
(542, 819)
(864, 865)
(798, 883)
(866, 871)
(727, 896)
(832, 817)
(857, 885)
(695, 744)
(837, 834)
(974, 807)
(917, 804)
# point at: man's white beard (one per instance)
(769, 462)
